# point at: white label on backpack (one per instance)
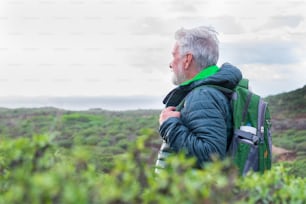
(249, 129)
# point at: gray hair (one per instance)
(201, 42)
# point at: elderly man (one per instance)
(197, 118)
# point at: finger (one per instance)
(176, 114)
(171, 108)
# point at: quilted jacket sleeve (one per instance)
(202, 129)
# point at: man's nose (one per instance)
(170, 65)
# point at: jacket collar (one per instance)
(228, 76)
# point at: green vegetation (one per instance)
(293, 140)
(289, 105)
(49, 155)
(37, 170)
(288, 112)
(105, 133)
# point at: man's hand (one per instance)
(168, 113)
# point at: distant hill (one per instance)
(288, 105)
(288, 110)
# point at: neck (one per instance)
(192, 72)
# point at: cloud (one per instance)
(226, 24)
(104, 47)
(150, 59)
(151, 25)
(290, 21)
(274, 79)
(183, 7)
(262, 52)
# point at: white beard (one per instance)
(179, 77)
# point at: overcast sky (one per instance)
(112, 48)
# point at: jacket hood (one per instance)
(228, 77)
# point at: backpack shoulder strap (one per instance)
(244, 83)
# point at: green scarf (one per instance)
(205, 73)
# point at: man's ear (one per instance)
(188, 60)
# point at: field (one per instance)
(49, 155)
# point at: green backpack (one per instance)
(251, 145)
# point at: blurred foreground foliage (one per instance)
(38, 170)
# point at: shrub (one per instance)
(37, 170)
